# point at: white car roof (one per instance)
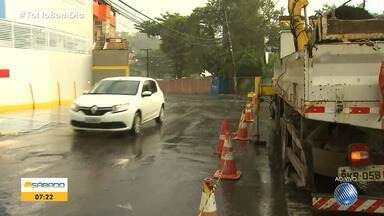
(130, 78)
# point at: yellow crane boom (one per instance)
(298, 26)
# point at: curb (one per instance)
(9, 134)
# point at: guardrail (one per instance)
(25, 36)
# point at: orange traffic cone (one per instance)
(248, 114)
(242, 132)
(208, 202)
(220, 143)
(227, 163)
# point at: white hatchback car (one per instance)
(119, 104)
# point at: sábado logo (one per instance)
(44, 184)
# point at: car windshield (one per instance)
(116, 87)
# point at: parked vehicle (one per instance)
(329, 115)
(119, 104)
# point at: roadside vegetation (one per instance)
(202, 41)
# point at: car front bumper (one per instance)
(121, 121)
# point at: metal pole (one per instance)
(147, 50)
(59, 93)
(258, 125)
(231, 50)
(32, 96)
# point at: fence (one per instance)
(186, 86)
(24, 36)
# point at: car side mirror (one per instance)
(85, 92)
(146, 94)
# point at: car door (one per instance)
(146, 102)
(155, 100)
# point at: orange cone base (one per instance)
(208, 214)
(242, 138)
(235, 176)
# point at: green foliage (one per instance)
(201, 42)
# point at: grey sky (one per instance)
(154, 8)
(376, 6)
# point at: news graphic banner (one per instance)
(44, 189)
(2, 9)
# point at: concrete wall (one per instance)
(186, 86)
(99, 75)
(79, 19)
(110, 57)
(43, 69)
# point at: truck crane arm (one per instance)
(298, 26)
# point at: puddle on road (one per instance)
(174, 145)
(148, 160)
(174, 140)
(33, 169)
(8, 143)
(122, 163)
(127, 206)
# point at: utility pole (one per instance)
(231, 50)
(147, 50)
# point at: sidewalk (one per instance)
(21, 122)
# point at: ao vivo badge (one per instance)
(44, 189)
(346, 194)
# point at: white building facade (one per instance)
(45, 51)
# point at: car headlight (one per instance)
(75, 107)
(120, 108)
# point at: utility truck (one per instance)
(329, 105)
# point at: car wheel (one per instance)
(160, 119)
(136, 127)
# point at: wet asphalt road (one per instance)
(158, 173)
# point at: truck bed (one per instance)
(338, 82)
(349, 30)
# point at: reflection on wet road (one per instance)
(156, 173)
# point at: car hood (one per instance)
(104, 100)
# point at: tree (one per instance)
(174, 31)
(200, 41)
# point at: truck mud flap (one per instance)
(326, 202)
